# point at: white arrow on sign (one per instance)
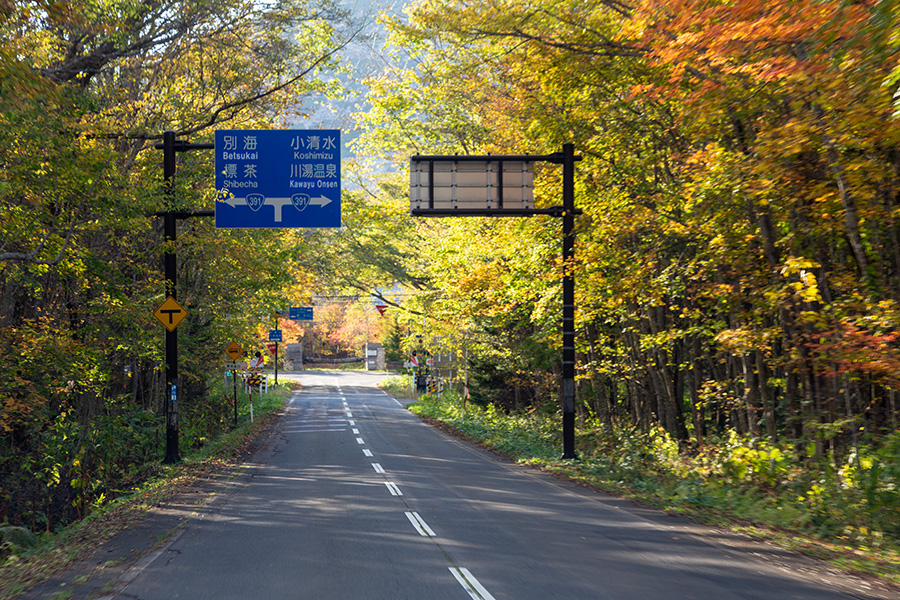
(257, 201)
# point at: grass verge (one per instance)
(399, 387)
(651, 471)
(56, 551)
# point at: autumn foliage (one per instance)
(87, 89)
(738, 260)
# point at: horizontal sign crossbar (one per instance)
(556, 157)
(556, 211)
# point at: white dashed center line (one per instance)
(470, 584)
(465, 578)
(420, 525)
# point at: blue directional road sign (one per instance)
(275, 335)
(278, 178)
(301, 313)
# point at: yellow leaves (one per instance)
(703, 160)
(739, 341)
(807, 288)
(797, 264)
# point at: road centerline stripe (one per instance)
(323, 418)
(420, 525)
(470, 584)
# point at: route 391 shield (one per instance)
(278, 178)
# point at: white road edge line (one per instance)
(378, 468)
(420, 525)
(470, 584)
(392, 487)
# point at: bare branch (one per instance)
(237, 105)
(31, 257)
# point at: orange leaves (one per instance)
(850, 349)
(20, 403)
(711, 52)
(751, 37)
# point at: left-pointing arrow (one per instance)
(279, 203)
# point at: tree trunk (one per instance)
(751, 395)
(696, 384)
(768, 396)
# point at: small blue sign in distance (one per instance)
(273, 178)
(274, 335)
(301, 313)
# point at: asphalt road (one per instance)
(356, 498)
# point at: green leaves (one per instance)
(86, 88)
(737, 183)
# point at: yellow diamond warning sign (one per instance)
(234, 351)
(170, 314)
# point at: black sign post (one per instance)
(568, 302)
(170, 146)
(498, 185)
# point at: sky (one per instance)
(366, 57)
